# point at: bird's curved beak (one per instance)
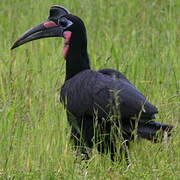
(44, 30)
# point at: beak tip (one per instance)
(12, 47)
(15, 45)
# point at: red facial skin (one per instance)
(67, 36)
(49, 24)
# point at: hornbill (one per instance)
(103, 108)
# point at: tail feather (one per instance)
(154, 131)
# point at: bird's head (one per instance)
(60, 23)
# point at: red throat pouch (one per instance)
(67, 36)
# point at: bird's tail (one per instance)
(154, 131)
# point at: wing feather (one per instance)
(90, 91)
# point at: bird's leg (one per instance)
(82, 132)
(76, 136)
(81, 150)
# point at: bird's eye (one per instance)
(63, 23)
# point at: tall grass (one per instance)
(139, 38)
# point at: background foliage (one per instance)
(138, 38)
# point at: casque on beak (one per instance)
(44, 30)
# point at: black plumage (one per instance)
(103, 105)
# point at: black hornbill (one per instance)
(103, 107)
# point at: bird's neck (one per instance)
(76, 64)
(76, 57)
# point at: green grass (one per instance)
(138, 38)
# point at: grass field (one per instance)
(136, 37)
